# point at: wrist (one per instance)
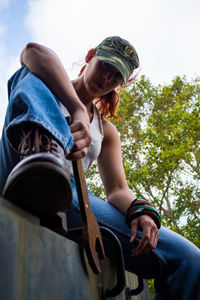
(141, 207)
(78, 112)
(79, 108)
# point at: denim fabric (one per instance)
(175, 263)
(29, 101)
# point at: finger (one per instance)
(154, 236)
(148, 241)
(78, 154)
(134, 230)
(144, 243)
(82, 138)
(81, 145)
(79, 125)
(79, 134)
(155, 240)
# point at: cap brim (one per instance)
(116, 61)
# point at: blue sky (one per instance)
(12, 18)
(165, 34)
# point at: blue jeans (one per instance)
(175, 263)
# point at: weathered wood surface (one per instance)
(36, 263)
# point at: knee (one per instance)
(190, 261)
(192, 258)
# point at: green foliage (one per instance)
(160, 137)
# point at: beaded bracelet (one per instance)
(141, 207)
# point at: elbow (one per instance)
(33, 46)
(30, 52)
(33, 49)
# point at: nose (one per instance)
(107, 76)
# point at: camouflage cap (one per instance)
(120, 53)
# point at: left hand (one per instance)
(149, 234)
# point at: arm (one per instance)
(117, 190)
(46, 65)
(111, 170)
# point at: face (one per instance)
(101, 78)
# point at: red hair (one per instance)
(107, 104)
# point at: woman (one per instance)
(32, 104)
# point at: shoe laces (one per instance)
(36, 141)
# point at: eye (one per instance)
(118, 76)
(106, 66)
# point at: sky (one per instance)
(165, 34)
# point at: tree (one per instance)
(160, 136)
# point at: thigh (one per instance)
(148, 265)
(162, 261)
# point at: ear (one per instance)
(90, 54)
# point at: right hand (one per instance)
(149, 236)
(80, 129)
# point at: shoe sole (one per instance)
(39, 187)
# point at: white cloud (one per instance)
(165, 33)
(72, 28)
(174, 35)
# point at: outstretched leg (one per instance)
(174, 264)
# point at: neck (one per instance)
(82, 92)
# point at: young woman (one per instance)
(41, 96)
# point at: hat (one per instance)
(119, 53)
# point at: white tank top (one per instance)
(96, 130)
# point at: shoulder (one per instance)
(110, 132)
